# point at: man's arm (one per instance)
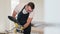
(28, 22)
(16, 10)
(14, 14)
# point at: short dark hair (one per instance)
(31, 4)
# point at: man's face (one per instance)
(28, 8)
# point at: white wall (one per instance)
(4, 12)
(52, 15)
(52, 11)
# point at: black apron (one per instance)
(22, 19)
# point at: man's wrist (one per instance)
(21, 28)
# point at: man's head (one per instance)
(29, 7)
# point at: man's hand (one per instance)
(16, 25)
(21, 28)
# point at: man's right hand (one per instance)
(16, 25)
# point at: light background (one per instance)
(49, 14)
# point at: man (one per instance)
(25, 16)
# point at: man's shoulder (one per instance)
(31, 15)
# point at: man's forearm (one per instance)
(26, 25)
(14, 14)
(28, 22)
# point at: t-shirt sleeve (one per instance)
(31, 15)
(17, 8)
